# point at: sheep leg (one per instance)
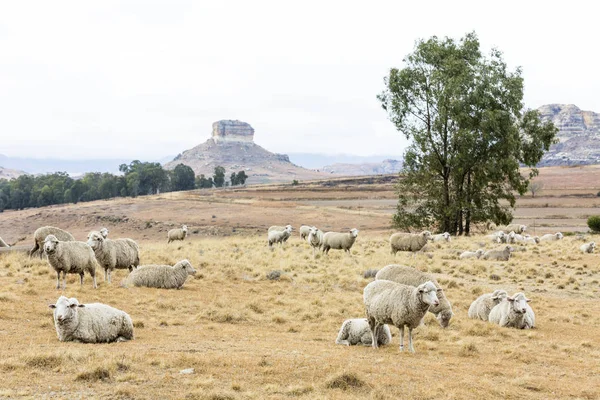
(402, 338)
(33, 249)
(58, 279)
(109, 273)
(410, 343)
(374, 332)
(81, 278)
(95, 286)
(64, 279)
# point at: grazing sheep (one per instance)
(281, 228)
(441, 237)
(513, 312)
(70, 257)
(530, 239)
(177, 234)
(161, 276)
(414, 242)
(471, 254)
(357, 331)
(498, 255)
(588, 247)
(315, 238)
(304, 231)
(481, 307)
(339, 241)
(388, 302)
(3, 243)
(114, 254)
(40, 236)
(275, 236)
(413, 277)
(90, 323)
(104, 232)
(516, 228)
(551, 236)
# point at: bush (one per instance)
(594, 223)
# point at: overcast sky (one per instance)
(145, 79)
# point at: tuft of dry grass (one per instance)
(345, 381)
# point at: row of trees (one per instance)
(138, 178)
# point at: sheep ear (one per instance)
(52, 305)
(73, 305)
(80, 305)
(440, 290)
(510, 299)
(528, 300)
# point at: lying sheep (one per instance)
(3, 243)
(70, 257)
(161, 276)
(588, 247)
(413, 277)
(497, 237)
(481, 307)
(315, 239)
(471, 254)
(275, 236)
(441, 237)
(90, 323)
(551, 237)
(498, 255)
(281, 228)
(388, 302)
(402, 241)
(40, 236)
(177, 234)
(530, 239)
(339, 241)
(357, 331)
(516, 228)
(304, 231)
(513, 312)
(114, 254)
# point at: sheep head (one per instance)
(95, 240)
(50, 243)
(65, 309)
(354, 232)
(518, 302)
(428, 293)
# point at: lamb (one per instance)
(357, 331)
(315, 238)
(481, 307)
(588, 247)
(161, 276)
(70, 257)
(413, 277)
(90, 323)
(304, 231)
(441, 237)
(104, 232)
(40, 236)
(177, 234)
(281, 228)
(388, 302)
(498, 255)
(516, 228)
(3, 243)
(402, 241)
(513, 312)
(551, 236)
(275, 236)
(114, 254)
(339, 241)
(471, 254)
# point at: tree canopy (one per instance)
(469, 134)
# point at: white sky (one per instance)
(104, 79)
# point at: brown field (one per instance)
(251, 338)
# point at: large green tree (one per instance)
(182, 178)
(469, 134)
(219, 176)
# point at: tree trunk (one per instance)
(468, 211)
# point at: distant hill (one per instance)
(72, 167)
(383, 167)
(6, 173)
(318, 161)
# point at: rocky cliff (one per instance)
(579, 135)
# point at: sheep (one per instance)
(511, 237)
(516, 228)
(551, 236)
(339, 241)
(471, 254)
(161, 276)
(413, 277)
(281, 228)
(530, 239)
(388, 302)
(315, 238)
(70, 257)
(40, 236)
(498, 255)
(177, 234)
(497, 237)
(275, 236)
(441, 237)
(357, 331)
(3, 243)
(588, 247)
(304, 231)
(90, 323)
(513, 312)
(104, 232)
(481, 307)
(114, 254)
(402, 241)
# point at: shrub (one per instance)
(594, 223)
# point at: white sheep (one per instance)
(551, 237)
(70, 257)
(281, 228)
(497, 237)
(513, 312)
(588, 247)
(40, 236)
(441, 237)
(114, 254)
(498, 255)
(304, 231)
(414, 242)
(481, 307)
(161, 276)
(517, 228)
(357, 331)
(90, 323)
(531, 239)
(275, 236)
(413, 277)
(315, 238)
(339, 241)
(104, 232)
(471, 254)
(388, 302)
(177, 234)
